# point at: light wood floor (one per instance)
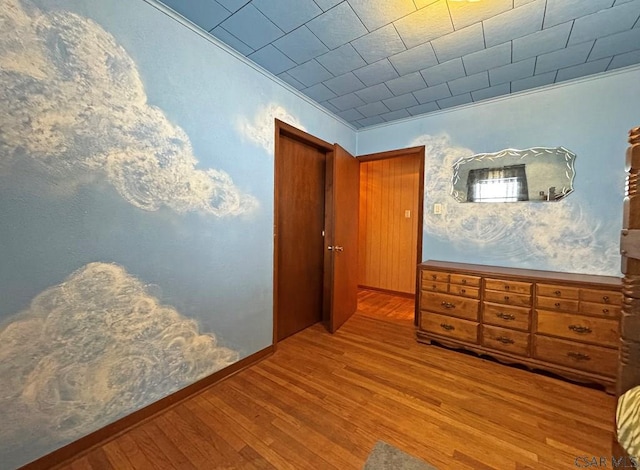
(322, 401)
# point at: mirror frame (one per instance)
(567, 157)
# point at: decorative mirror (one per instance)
(537, 174)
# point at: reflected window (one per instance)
(506, 184)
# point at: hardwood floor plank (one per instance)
(322, 401)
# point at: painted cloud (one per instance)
(91, 350)
(74, 104)
(557, 234)
(261, 130)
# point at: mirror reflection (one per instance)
(537, 174)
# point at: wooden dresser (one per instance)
(567, 324)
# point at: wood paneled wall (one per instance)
(388, 239)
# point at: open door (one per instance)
(341, 237)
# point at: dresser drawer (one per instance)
(455, 328)
(515, 287)
(508, 298)
(434, 286)
(507, 316)
(605, 310)
(578, 327)
(515, 342)
(559, 292)
(575, 355)
(435, 276)
(557, 304)
(450, 305)
(601, 296)
(459, 289)
(465, 280)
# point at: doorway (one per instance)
(300, 169)
(390, 222)
(315, 233)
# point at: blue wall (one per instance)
(136, 196)
(579, 234)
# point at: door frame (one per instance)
(399, 153)
(284, 129)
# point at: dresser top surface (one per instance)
(517, 273)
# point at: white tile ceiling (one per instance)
(374, 61)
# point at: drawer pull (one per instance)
(505, 340)
(506, 297)
(448, 305)
(605, 299)
(506, 287)
(434, 287)
(505, 316)
(446, 326)
(557, 304)
(434, 277)
(557, 292)
(463, 291)
(464, 281)
(580, 329)
(578, 356)
(605, 310)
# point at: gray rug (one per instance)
(387, 457)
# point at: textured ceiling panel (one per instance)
(465, 14)
(288, 14)
(406, 84)
(271, 58)
(376, 73)
(232, 5)
(414, 59)
(426, 24)
(511, 72)
(541, 42)
(205, 13)
(301, 45)
(375, 61)
(400, 102)
(342, 60)
(444, 72)
(344, 84)
(514, 23)
(560, 11)
(374, 93)
(486, 59)
(377, 13)
(383, 42)
(261, 32)
(572, 55)
(337, 26)
(310, 73)
(611, 21)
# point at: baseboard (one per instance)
(408, 295)
(102, 435)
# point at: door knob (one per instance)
(335, 248)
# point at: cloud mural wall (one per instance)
(98, 183)
(580, 233)
(559, 234)
(259, 130)
(90, 350)
(76, 107)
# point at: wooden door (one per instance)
(299, 224)
(341, 255)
